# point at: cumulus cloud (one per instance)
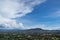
(8, 23)
(15, 8)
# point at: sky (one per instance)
(27, 14)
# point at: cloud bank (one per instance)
(46, 27)
(15, 8)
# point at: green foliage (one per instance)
(24, 36)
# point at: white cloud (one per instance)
(15, 8)
(8, 23)
(45, 27)
(42, 26)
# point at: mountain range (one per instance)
(29, 31)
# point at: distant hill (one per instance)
(29, 31)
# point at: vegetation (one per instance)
(27, 36)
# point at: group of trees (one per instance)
(23, 36)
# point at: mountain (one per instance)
(30, 31)
(35, 29)
(39, 30)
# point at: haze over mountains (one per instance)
(29, 31)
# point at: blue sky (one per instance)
(43, 14)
